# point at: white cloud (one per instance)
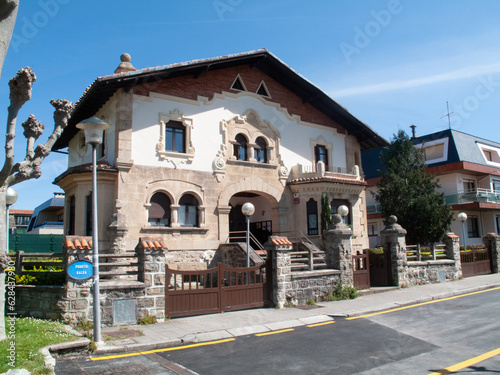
(455, 75)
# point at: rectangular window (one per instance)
(372, 230)
(497, 219)
(469, 186)
(434, 152)
(72, 213)
(312, 217)
(88, 215)
(174, 137)
(472, 226)
(496, 186)
(321, 154)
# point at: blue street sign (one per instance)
(80, 270)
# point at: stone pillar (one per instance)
(452, 243)
(76, 302)
(492, 242)
(394, 242)
(279, 249)
(151, 254)
(174, 213)
(339, 249)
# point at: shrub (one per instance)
(341, 292)
(148, 319)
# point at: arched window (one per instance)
(260, 150)
(188, 211)
(240, 147)
(159, 211)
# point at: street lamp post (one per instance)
(462, 216)
(10, 199)
(94, 128)
(248, 209)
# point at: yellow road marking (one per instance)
(162, 350)
(274, 332)
(467, 363)
(421, 304)
(320, 324)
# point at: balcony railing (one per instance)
(320, 169)
(477, 195)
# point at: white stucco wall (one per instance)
(207, 136)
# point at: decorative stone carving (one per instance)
(219, 165)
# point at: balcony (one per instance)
(321, 170)
(477, 195)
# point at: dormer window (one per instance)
(240, 147)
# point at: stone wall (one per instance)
(297, 287)
(311, 285)
(39, 301)
(432, 271)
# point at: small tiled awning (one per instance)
(152, 243)
(78, 242)
(281, 241)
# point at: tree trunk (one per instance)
(8, 15)
(3, 251)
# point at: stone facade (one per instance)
(339, 250)
(39, 301)
(144, 296)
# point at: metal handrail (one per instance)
(252, 238)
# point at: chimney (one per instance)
(125, 65)
(413, 135)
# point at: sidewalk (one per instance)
(182, 331)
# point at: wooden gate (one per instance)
(380, 269)
(216, 290)
(475, 262)
(361, 270)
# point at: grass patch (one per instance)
(29, 336)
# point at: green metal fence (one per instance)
(36, 243)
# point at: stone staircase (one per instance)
(306, 256)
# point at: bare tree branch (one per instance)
(30, 167)
(20, 93)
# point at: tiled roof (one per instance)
(152, 243)
(336, 180)
(14, 211)
(78, 242)
(86, 168)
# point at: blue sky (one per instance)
(390, 63)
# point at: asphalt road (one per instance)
(418, 340)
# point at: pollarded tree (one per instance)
(13, 173)
(407, 191)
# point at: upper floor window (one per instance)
(175, 136)
(260, 150)
(240, 147)
(321, 154)
(159, 211)
(469, 186)
(188, 211)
